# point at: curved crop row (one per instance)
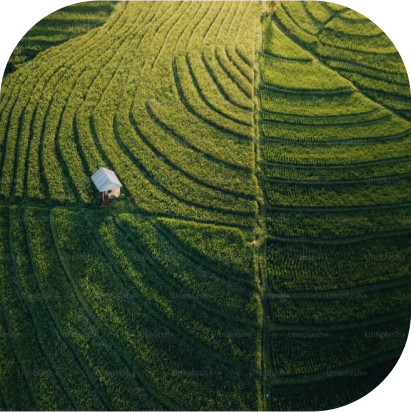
(208, 170)
(304, 21)
(194, 279)
(282, 16)
(318, 11)
(226, 247)
(211, 94)
(156, 358)
(53, 341)
(167, 302)
(43, 383)
(13, 381)
(190, 95)
(90, 340)
(172, 180)
(58, 27)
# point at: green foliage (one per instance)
(304, 76)
(283, 16)
(318, 11)
(78, 113)
(12, 379)
(334, 154)
(380, 86)
(166, 300)
(354, 16)
(372, 192)
(52, 337)
(306, 266)
(333, 309)
(39, 372)
(161, 301)
(299, 13)
(333, 105)
(233, 299)
(380, 128)
(348, 68)
(374, 63)
(307, 174)
(380, 44)
(338, 8)
(388, 63)
(335, 176)
(338, 225)
(15, 60)
(162, 364)
(224, 246)
(105, 360)
(346, 120)
(63, 25)
(276, 43)
(353, 27)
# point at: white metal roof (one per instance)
(105, 179)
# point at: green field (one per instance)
(259, 256)
(57, 28)
(335, 173)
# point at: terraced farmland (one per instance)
(121, 308)
(335, 172)
(261, 247)
(57, 28)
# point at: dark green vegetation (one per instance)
(116, 313)
(336, 167)
(260, 256)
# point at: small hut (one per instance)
(107, 183)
